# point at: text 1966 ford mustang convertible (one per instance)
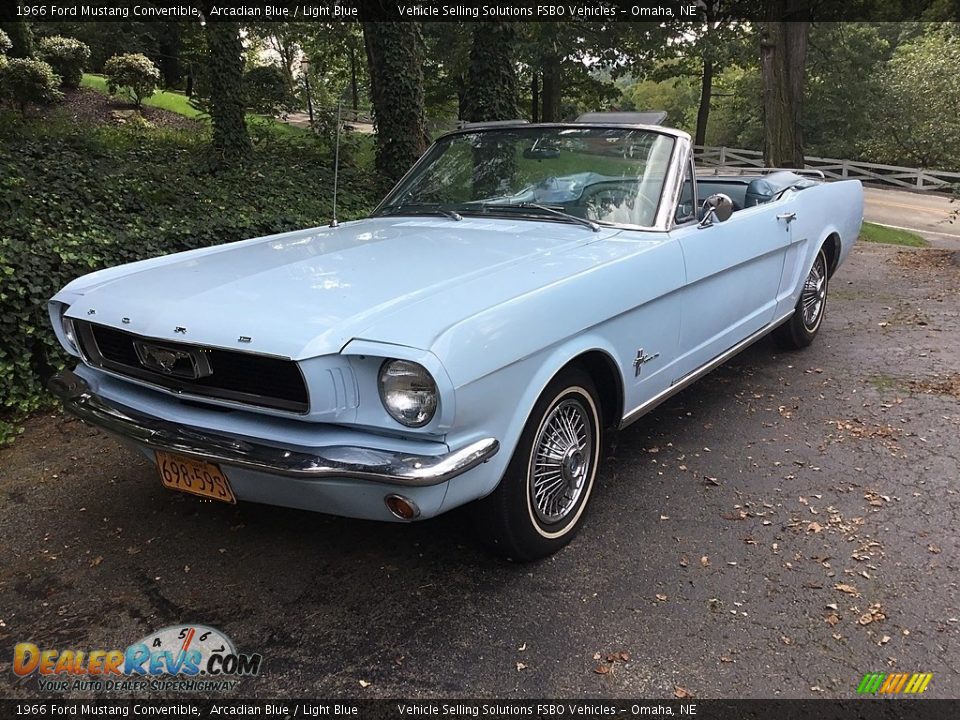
(523, 289)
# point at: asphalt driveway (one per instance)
(781, 528)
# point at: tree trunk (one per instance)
(534, 96)
(168, 44)
(354, 88)
(706, 92)
(227, 111)
(395, 56)
(783, 55)
(550, 96)
(492, 77)
(21, 37)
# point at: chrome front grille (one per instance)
(243, 377)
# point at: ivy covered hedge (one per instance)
(78, 198)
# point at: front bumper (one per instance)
(336, 461)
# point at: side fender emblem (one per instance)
(641, 360)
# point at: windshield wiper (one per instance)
(550, 211)
(421, 210)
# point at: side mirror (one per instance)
(716, 208)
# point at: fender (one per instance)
(523, 383)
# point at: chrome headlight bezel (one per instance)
(68, 331)
(408, 392)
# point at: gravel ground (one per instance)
(779, 529)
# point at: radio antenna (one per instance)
(336, 163)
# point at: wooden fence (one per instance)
(835, 169)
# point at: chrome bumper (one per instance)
(338, 461)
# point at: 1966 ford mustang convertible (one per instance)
(522, 290)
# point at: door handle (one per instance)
(788, 216)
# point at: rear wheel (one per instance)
(800, 330)
(539, 504)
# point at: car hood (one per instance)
(309, 292)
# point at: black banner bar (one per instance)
(286, 709)
(606, 11)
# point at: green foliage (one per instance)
(678, 97)
(67, 56)
(76, 198)
(917, 119)
(5, 43)
(268, 91)
(133, 74)
(24, 81)
(841, 88)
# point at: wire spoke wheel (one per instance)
(561, 461)
(814, 294)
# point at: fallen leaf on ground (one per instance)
(681, 692)
(661, 597)
(521, 666)
(705, 561)
(364, 684)
(849, 589)
(601, 669)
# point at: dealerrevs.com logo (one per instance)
(178, 658)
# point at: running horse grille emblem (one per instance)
(190, 364)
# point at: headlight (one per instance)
(408, 392)
(66, 324)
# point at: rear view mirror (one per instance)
(716, 208)
(541, 153)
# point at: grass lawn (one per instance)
(890, 236)
(177, 102)
(165, 100)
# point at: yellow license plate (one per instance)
(194, 476)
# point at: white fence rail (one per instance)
(833, 168)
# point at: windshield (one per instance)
(604, 175)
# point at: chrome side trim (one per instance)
(695, 375)
(336, 461)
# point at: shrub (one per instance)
(76, 197)
(134, 74)
(24, 81)
(5, 43)
(267, 91)
(67, 56)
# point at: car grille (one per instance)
(238, 376)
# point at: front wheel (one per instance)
(800, 330)
(539, 504)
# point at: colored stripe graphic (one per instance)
(894, 683)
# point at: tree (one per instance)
(21, 37)
(492, 80)
(227, 101)
(918, 107)
(783, 56)
(395, 62)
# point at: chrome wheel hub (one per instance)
(561, 462)
(814, 295)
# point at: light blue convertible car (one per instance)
(523, 290)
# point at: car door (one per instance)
(733, 273)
